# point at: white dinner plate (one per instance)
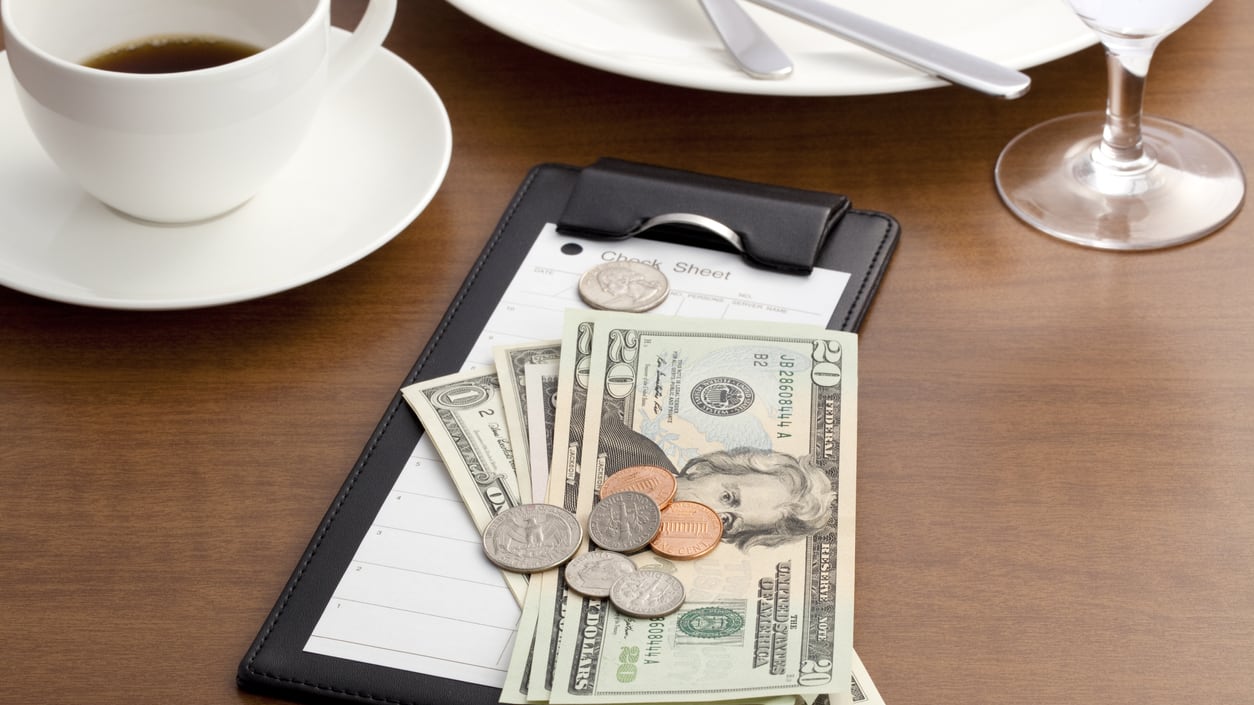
(376, 155)
(670, 41)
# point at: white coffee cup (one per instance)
(178, 147)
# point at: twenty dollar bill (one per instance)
(758, 422)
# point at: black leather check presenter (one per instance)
(784, 232)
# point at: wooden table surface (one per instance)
(1056, 452)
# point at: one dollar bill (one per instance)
(512, 363)
(464, 415)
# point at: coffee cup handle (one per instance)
(362, 43)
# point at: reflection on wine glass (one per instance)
(1138, 182)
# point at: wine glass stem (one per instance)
(1121, 146)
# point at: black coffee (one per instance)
(171, 54)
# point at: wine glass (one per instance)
(1139, 182)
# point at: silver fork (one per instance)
(755, 53)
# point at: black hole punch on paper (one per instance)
(572, 249)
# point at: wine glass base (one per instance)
(1048, 178)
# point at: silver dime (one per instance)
(532, 537)
(623, 286)
(592, 573)
(625, 522)
(647, 594)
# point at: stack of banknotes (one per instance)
(757, 421)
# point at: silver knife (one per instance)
(753, 51)
(923, 54)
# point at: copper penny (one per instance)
(657, 483)
(689, 530)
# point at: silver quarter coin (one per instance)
(624, 286)
(647, 594)
(592, 573)
(532, 537)
(625, 522)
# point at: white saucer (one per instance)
(376, 155)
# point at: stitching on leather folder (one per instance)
(880, 251)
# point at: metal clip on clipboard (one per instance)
(775, 227)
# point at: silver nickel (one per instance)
(647, 594)
(593, 573)
(530, 538)
(624, 286)
(624, 522)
